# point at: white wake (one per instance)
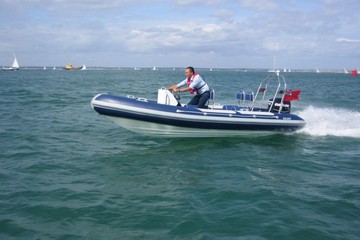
(330, 122)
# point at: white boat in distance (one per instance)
(14, 66)
(273, 70)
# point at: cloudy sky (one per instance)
(203, 33)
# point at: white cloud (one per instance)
(176, 37)
(347, 40)
(196, 2)
(272, 46)
(260, 5)
(330, 2)
(222, 31)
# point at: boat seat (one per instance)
(212, 94)
(212, 97)
(245, 97)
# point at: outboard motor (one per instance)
(277, 104)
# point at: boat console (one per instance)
(166, 97)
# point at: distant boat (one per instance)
(346, 71)
(14, 66)
(71, 67)
(317, 70)
(44, 68)
(54, 68)
(154, 68)
(83, 67)
(273, 70)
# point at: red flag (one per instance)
(291, 95)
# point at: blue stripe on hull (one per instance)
(195, 124)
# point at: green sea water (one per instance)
(68, 173)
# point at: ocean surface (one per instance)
(68, 173)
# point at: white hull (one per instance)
(161, 130)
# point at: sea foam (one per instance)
(330, 122)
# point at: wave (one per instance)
(330, 122)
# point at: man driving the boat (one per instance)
(193, 83)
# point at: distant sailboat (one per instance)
(317, 70)
(273, 70)
(154, 68)
(54, 68)
(44, 68)
(345, 71)
(83, 67)
(14, 66)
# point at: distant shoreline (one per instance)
(51, 68)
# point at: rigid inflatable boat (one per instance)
(252, 114)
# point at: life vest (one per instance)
(189, 82)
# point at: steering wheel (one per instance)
(176, 95)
